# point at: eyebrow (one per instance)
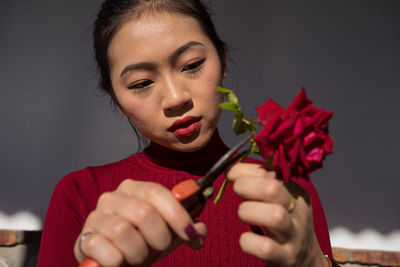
(151, 66)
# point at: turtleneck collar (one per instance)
(197, 162)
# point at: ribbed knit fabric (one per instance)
(76, 195)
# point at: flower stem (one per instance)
(223, 186)
(246, 121)
(221, 191)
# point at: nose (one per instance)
(176, 98)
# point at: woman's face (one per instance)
(164, 72)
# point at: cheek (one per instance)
(212, 79)
(144, 121)
(135, 110)
(212, 95)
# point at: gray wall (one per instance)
(346, 53)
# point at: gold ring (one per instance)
(83, 236)
(292, 204)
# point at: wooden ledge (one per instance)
(16, 237)
(368, 257)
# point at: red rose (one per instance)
(297, 137)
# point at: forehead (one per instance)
(155, 34)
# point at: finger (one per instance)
(272, 217)
(262, 247)
(121, 233)
(100, 249)
(143, 216)
(240, 170)
(198, 243)
(165, 203)
(266, 189)
(194, 244)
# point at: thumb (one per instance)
(201, 231)
(197, 243)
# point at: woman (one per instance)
(161, 61)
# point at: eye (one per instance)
(194, 65)
(141, 85)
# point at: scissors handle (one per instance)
(188, 193)
(89, 263)
(185, 189)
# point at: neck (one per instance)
(197, 162)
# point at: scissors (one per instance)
(194, 194)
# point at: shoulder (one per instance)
(94, 180)
(100, 178)
(79, 190)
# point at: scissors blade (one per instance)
(222, 164)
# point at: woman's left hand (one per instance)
(283, 210)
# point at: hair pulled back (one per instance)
(114, 13)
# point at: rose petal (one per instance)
(262, 141)
(323, 120)
(316, 155)
(267, 111)
(269, 128)
(327, 147)
(318, 116)
(310, 110)
(297, 137)
(283, 164)
(298, 126)
(283, 127)
(309, 138)
(294, 152)
(300, 102)
(303, 159)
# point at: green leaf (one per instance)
(232, 98)
(229, 95)
(223, 90)
(230, 106)
(239, 126)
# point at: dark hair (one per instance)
(114, 13)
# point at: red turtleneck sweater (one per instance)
(76, 196)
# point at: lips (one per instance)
(185, 126)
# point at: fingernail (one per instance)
(191, 232)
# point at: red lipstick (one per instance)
(186, 126)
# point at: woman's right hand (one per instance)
(137, 224)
